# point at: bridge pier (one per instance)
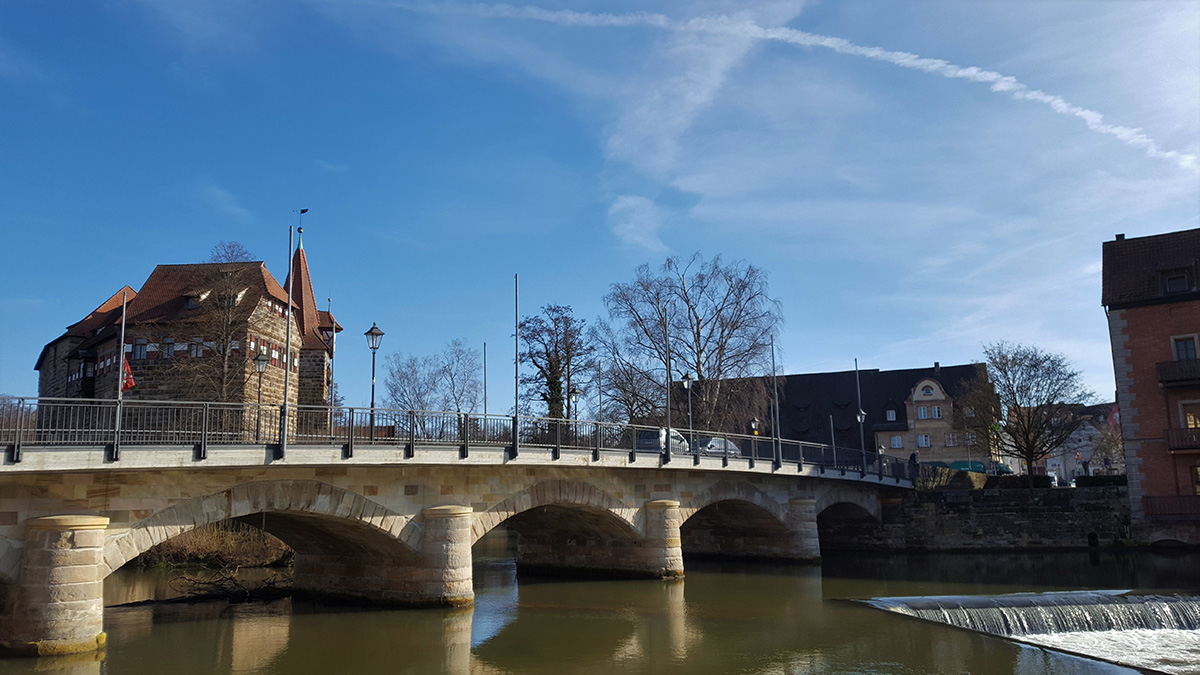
(440, 575)
(662, 553)
(804, 543)
(57, 607)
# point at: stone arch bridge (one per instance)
(394, 523)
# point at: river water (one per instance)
(724, 617)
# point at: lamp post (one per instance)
(374, 338)
(260, 367)
(687, 385)
(574, 394)
(329, 335)
(754, 428)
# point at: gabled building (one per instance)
(906, 410)
(1152, 298)
(192, 333)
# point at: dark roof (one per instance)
(808, 401)
(1135, 269)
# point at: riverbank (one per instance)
(225, 545)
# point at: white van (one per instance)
(649, 440)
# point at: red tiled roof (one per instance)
(305, 301)
(107, 314)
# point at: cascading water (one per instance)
(1156, 631)
(1037, 613)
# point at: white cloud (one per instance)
(331, 167)
(221, 201)
(636, 221)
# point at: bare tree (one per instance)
(1110, 449)
(220, 314)
(413, 383)
(460, 369)
(1027, 406)
(716, 319)
(556, 344)
(230, 251)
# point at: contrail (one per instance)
(999, 82)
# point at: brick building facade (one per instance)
(1152, 298)
(192, 333)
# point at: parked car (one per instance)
(654, 440)
(718, 446)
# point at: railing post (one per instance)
(281, 447)
(15, 456)
(202, 451)
(596, 450)
(556, 452)
(411, 450)
(464, 433)
(115, 453)
(350, 431)
(516, 437)
(348, 448)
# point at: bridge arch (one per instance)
(734, 519)
(308, 515)
(556, 493)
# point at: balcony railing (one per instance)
(1185, 507)
(1183, 439)
(1176, 373)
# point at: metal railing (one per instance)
(39, 423)
(1178, 372)
(1182, 439)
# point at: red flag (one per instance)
(127, 380)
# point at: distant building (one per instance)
(906, 410)
(192, 333)
(1153, 303)
(1084, 453)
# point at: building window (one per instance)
(1185, 348)
(937, 412)
(167, 348)
(951, 440)
(891, 415)
(969, 412)
(1196, 479)
(139, 349)
(1175, 282)
(928, 391)
(971, 440)
(897, 442)
(196, 348)
(923, 440)
(1190, 414)
(922, 412)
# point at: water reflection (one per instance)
(722, 618)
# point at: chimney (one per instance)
(937, 368)
(1121, 237)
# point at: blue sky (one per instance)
(918, 178)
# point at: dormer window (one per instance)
(1175, 282)
(891, 415)
(927, 390)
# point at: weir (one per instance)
(1023, 614)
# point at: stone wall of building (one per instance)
(989, 519)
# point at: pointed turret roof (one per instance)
(305, 300)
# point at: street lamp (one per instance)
(260, 367)
(574, 394)
(754, 441)
(687, 385)
(374, 338)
